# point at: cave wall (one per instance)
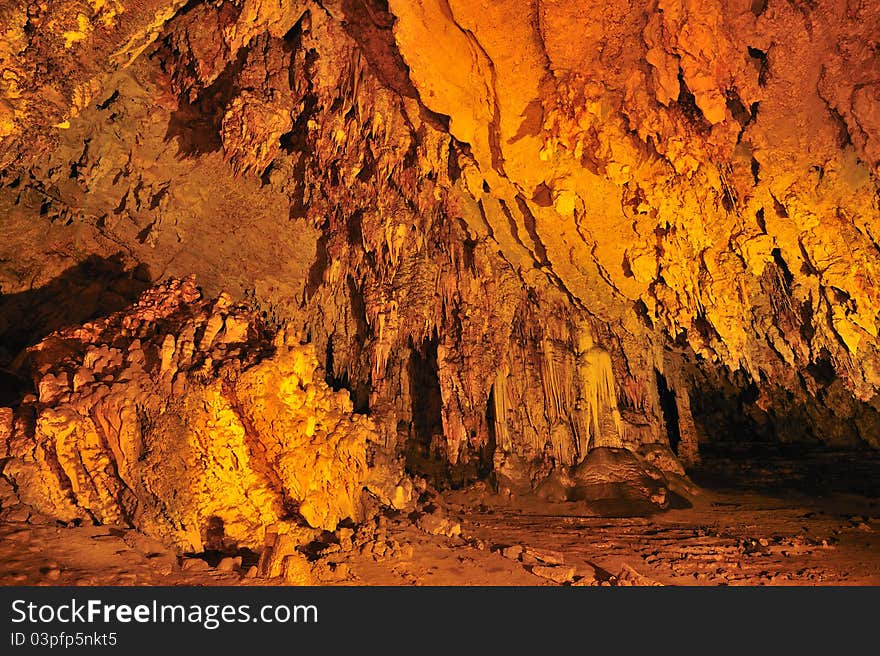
(570, 201)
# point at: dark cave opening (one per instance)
(425, 447)
(486, 455)
(335, 382)
(670, 411)
(198, 121)
(358, 391)
(759, 437)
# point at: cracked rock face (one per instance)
(509, 231)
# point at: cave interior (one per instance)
(402, 292)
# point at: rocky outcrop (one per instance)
(615, 481)
(185, 418)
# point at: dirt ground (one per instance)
(753, 532)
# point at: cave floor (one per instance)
(725, 539)
(728, 537)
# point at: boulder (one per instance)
(617, 481)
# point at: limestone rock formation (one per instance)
(185, 418)
(510, 231)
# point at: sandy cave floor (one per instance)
(773, 535)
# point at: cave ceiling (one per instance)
(549, 205)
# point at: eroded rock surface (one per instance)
(185, 418)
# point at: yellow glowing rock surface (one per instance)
(79, 34)
(239, 432)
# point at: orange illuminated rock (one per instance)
(236, 433)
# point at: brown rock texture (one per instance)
(180, 416)
(510, 231)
